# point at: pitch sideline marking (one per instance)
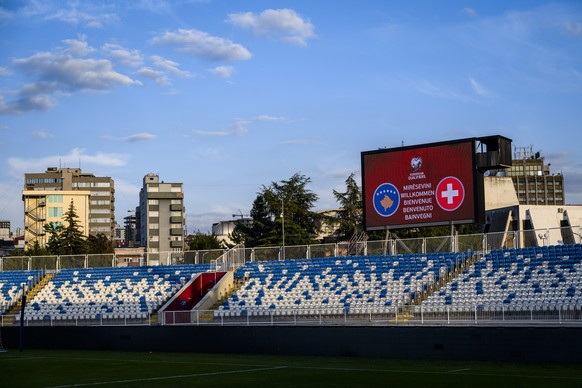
(308, 367)
(433, 372)
(169, 377)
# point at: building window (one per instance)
(176, 202)
(153, 202)
(55, 212)
(55, 198)
(100, 202)
(175, 189)
(154, 226)
(100, 211)
(153, 214)
(100, 220)
(176, 214)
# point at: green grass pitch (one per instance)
(44, 368)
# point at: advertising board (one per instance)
(433, 184)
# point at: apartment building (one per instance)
(43, 207)
(161, 215)
(100, 206)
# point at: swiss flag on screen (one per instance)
(450, 193)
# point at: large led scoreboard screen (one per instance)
(432, 184)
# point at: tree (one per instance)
(286, 204)
(54, 229)
(350, 213)
(202, 242)
(37, 250)
(99, 244)
(72, 240)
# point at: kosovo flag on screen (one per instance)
(386, 199)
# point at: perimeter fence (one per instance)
(230, 259)
(415, 315)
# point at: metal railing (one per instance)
(476, 315)
(143, 319)
(239, 255)
(413, 316)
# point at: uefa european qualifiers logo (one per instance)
(450, 193)
(386, 199)
(415, 163)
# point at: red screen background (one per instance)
(394, 167)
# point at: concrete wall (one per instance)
(499, 193)
(501, 202)
(558, 344)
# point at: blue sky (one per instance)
(227, 96)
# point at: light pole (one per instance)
(283, 227)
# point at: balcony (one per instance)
(176, 244)
(176, 232)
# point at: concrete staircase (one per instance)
(407, 312)
(9, 317)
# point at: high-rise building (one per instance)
(161, 215)
(4, 230)
(533, 182)
(130, 223)
(100, 209)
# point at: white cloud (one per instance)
(62, 71)
(77, 47)
(303, 142)
(164, 68)
(131, 138)
(431, 89)
(26, 103)
(77, 13)
(240, 126)
(284, 24)
(214, 133)
(169, 66)
(157, 75)
(269, 118)
(5, 14)
(85, 19)
(202, 45)
(469, 11)
(122, 55)
(573, 28)
(42, 135)
(72, 74)
(478, 88)
(19, 166)
(139, 137)
(222, 71)
(5, 71)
